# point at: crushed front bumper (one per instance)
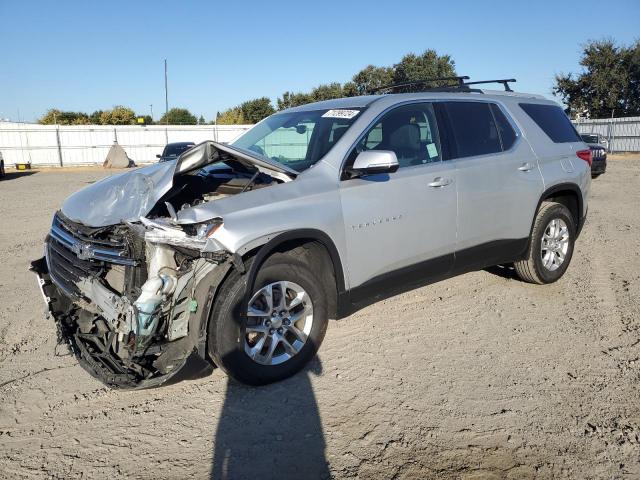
(186, 357)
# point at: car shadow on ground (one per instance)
(504, 271)
(271, 432)
(16, 174)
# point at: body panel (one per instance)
(393, 221)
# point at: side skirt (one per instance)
(431, 271)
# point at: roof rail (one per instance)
(460, 86)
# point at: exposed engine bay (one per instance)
(131, 300)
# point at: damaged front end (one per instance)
(133, 312)
(132, 299)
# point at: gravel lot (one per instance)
(479, 376)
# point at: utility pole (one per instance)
(151, 106)
(166, 93)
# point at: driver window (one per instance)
(410, 131)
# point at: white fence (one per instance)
(623, 133)
(53, 145)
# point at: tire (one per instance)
(595, 175)
(2, 172)
(533, 268)
(228, 326)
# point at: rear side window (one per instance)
(474, 129)
(507, 135)
(553, 121)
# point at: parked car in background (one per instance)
(238, 255)
(598, 153)
(595, 138)
(174, 150)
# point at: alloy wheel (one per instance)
(555, 244)
(279, 321)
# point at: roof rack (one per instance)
(394, 86)
(504, 81)
(461, 85)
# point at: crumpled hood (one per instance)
(121, 197)
(131, 195)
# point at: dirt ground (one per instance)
(479, 376)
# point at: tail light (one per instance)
(585, 155)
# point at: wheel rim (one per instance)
(555, 244)
(279, 321)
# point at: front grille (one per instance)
(72, 256)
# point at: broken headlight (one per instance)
(205, 230)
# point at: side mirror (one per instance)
(158, 155)
(371, 162)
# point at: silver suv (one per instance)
(237, 255)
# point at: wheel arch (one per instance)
(286, 241)
(568, 194)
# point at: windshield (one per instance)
(298, 139)
(175, 149)
(589, 138)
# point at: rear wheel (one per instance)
(550, 246)
(280, 331)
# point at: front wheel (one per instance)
(550, 246)
(282, 329)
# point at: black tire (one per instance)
(595, 175)
(532, 269)
(226, 334)
(2, 172)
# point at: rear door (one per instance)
(401, 226)
(499, 182)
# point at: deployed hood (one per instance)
(128, 196)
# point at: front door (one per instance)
(402, 225)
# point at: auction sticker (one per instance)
(341, 113)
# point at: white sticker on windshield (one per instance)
(341, 113)
(432, 150)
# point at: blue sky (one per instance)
(85, 55)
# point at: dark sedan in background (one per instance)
(598, 153)
(174, 150)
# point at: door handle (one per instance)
(525, 167)
(440, 182)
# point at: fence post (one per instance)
(115, 135)
(59, 146)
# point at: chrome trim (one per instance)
(86, 250)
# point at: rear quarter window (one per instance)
(553, 121)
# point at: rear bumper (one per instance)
(599, 166)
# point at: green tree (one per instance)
(232, 116)
(411, 67)
(201, 120)
(119, 115)
(255, 110)
(179, 116)
(609, 83)
(419, 67)
(59, 117)
(368, 79)
(290, 99)
(319, 93)
(94, 118)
